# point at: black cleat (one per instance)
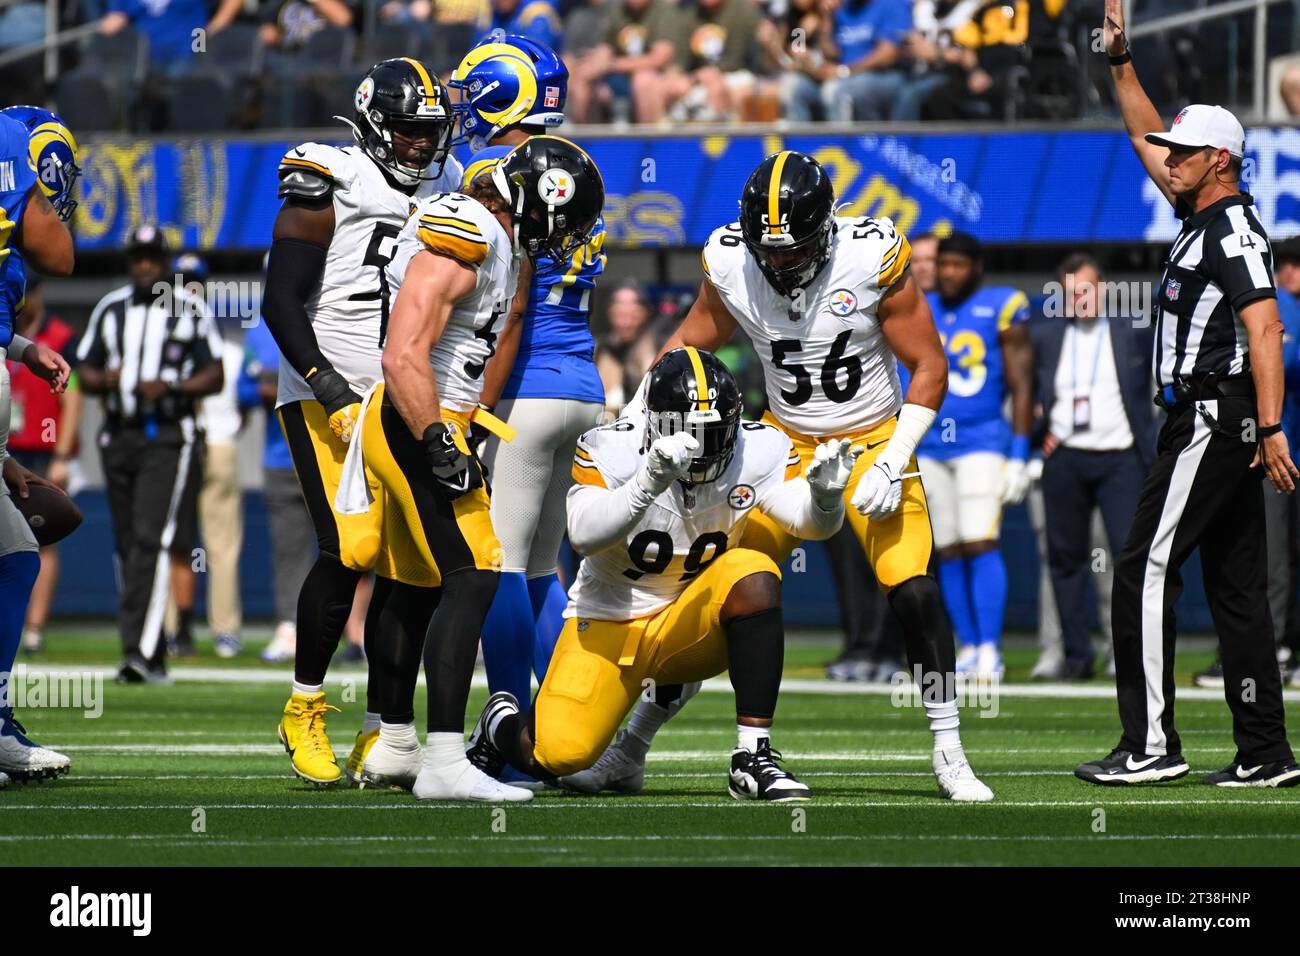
(482, 752)
(1280, 773)
(1124, 766)
(1211, 677)
(757, 776)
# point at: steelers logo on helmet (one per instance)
(365, 91)
(843, 302)
(556, 187)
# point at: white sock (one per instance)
(748, 737)
(645, 723)
(307, 690)
(943, 724)
(443, 749)
(399, 736)
(371, 722)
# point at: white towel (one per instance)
(353, 496)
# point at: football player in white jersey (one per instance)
(830, 307)
(454, 274)
(326, 303)
(667, 593)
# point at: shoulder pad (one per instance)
(724, 249)
(886, 251)
(455, 226)
(1013, 310)
(770, 451)
(310, 171)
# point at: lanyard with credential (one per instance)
(1096, 357)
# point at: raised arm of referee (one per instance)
(1218, 374)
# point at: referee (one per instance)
(151, 358)
(1218, 372)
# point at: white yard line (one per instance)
(201, 841)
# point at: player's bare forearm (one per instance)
(94, 381)
(908, 327)
(1018, 365)
(1138, 112)
(708, 325)
(432, 286)
(69, 421)
(44, 239)
(1264, 339)
(502, 362)
(206, 381)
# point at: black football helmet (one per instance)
(401, 95)
(787, 219)
(691, 390)
(556, 195)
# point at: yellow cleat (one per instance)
(360, 750)
(302, 731)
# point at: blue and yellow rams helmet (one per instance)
(507, 80)
(53, 151)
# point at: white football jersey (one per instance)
(682, 531)
(827, 366)
(350, 309)
(463, 228)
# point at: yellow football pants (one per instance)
(898, 547)
(600, 668)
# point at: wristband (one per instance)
(1268, 431)
(1020, 447)
(1120, 60)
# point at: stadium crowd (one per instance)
(195, 65)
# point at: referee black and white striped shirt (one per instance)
(147, 337)
(1220, 262)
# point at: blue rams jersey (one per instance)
(971, 418)
(17, 177)
(555, 343)
(536, 19)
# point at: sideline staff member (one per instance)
(151, 364)
(1218, 371)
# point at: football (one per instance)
(50, 513)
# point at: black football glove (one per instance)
(342, 405)
(456, 472)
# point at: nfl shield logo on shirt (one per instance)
(1172, 289)
(552, 98)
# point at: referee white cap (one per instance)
(1202, 125)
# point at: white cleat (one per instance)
(462, 780)
(988, 662)
(283, 645)
(617, 769)
(4, 780)
(23, 760)
(1049, 666)
(388, 766)
(967, 659)
(956, 779)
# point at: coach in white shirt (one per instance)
(1092, 372)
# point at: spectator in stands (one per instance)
(1092, 374)
(925, 260)
(288, 24)
(868, 36)
(584, 30)
(640, 44)
(627, 350)
(171, 26)
(293, 541)
(794, 41)
(712, 76)
(20, 24)
(978, 57)
(422, 14)
(1290, 90)
(531, 18)
(936, 63)
(43, 431)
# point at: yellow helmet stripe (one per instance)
(430, 91)
(701, 380)
(774, 194)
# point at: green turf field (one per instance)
(160, 761)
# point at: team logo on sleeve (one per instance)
(843, 302)
(555, 186)
(741, 497)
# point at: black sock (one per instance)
(927, 633)
(452, 645)
(395, 648)
(324, 604)
(370, 641)
(185, 623)
(755, 656)
(517, 747)
(667, 694)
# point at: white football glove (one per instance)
(829, 473)
(668, 459)
(879, 491)
(1015, 481)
